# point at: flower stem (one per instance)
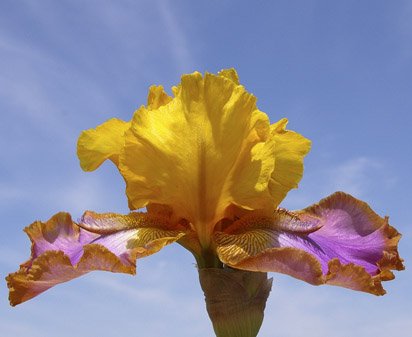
(235, 300)
(208, 259)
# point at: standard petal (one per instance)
(290, 149)
(157, 97)
(339, 241)
(62, 250)
(209, 145)
(231, 74)
(105, 142)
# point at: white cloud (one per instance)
(13, 257)
(19, 329)
(178, 42)
(298, 309)
(404, 24)
(359, 176)
(9, 193)
(90, 192)
(352, 176)
(152, 295)
(28, 96)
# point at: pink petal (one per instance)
(62, 250)
(338, 241)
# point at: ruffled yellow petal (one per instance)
(201, 152)
(207, 148)
(157, 97)
(105, 142)
(290, 149)
(231, 74)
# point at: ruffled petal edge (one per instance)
(262, 248)
(62, 250)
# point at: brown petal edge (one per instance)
(306, 267)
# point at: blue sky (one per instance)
(341, 71)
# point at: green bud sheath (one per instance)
(235, 300)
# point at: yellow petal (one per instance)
(290, 149)
(157, 97)
(206, 149)
(201, 152)
(231, 74)
(105, 142)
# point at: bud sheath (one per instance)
(235, 300)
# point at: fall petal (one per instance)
(62, 250)
(339, 241)
(354, 233)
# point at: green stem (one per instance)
(235, 300)
(208, 259)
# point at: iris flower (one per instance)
(210, 171)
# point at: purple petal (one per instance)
(62, 250)
(338, 241)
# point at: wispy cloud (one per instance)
(10, 192)
(178, 41)
(90, 191)
(151, 295)
(12, 257)
(353, 176)
(404, 24)
(358, 176)
(20, 329)
(26, 93)
(298, 309)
